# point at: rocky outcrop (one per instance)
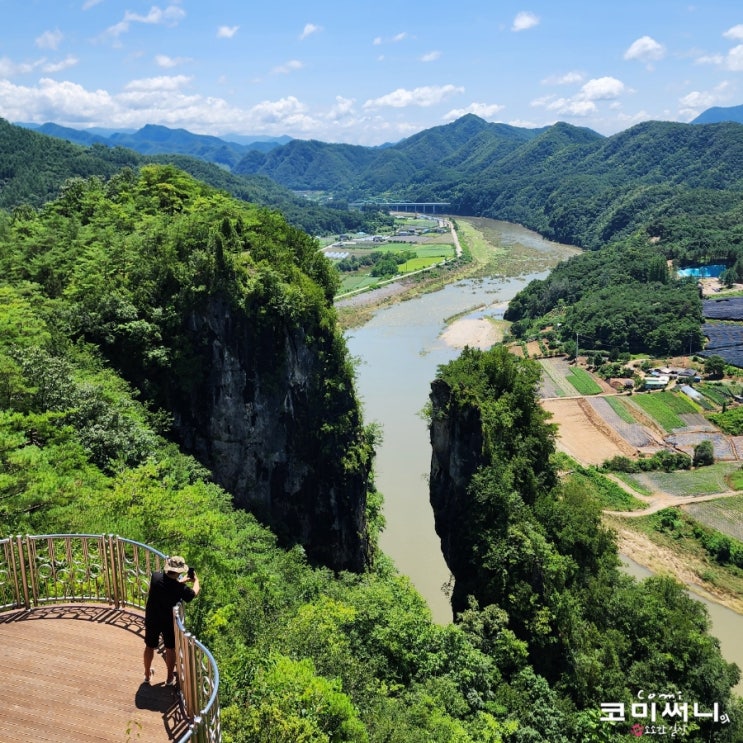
(456, 453)
(273, 415)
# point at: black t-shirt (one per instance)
(164, 594)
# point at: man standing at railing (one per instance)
(167, 588)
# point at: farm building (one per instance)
(657, 383)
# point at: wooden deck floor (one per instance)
(73, 674)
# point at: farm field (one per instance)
(426, 251)
(725, 515)
(702, 481)
(583, 382)
(582, 433)
(595, 425)
(622, 408)
(665, 408)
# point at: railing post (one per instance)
(113, 567)
(19, 582)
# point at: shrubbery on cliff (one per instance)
(534, 552)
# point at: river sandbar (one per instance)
(473, 332)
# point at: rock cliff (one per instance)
(273, 415)
(456, 453)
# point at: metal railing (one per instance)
(93, 568)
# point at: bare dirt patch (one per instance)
(582, 434)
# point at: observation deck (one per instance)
(72, 635)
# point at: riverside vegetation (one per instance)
(101, 289)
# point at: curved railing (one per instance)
(71, 568)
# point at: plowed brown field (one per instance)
(582, 434)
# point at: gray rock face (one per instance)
(275, 435)
(456, 453)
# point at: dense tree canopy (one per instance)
(622, 298)
(532, 552)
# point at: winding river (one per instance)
(398, 352)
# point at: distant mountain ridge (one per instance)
(719, 114)
(570, 184)
(153, 139)
(34, 167)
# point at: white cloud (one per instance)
(400, 37)
(431, 56)
(645, 49)
(483, 110)
(291, 66)
(308, 30)
(602, 88)
(170, 16)
(227, 32)
(377, 41)
(734, 60)
(569, 78)
(568, 106)
(343, 108)
(524, 20)
(717, 59)
(698, 99)
(51, 100)
(49, 39)
(8, 68)
(160, 100)
(736, 33)
(424, 96)
(52, 67)
(90, 3)
(163, 60)
(693, 103)
(163, 82)
(583, 103)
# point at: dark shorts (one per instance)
(153, 630)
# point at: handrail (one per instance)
(69, 568)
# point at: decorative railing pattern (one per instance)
(70, 568)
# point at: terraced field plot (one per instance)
(633, 433)
(666, 408)
(702, 481)
(725, 515)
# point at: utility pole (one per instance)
(576, 348)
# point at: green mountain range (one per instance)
(34, 166)
(172, 370)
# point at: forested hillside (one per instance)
(622, 299)
(531, 550)
(568, 183)
(33, 167)
(115, 300)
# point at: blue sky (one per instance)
(365, 73)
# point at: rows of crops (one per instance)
(665, 407)
(583, 381)
(701, 481)
(725, 515)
